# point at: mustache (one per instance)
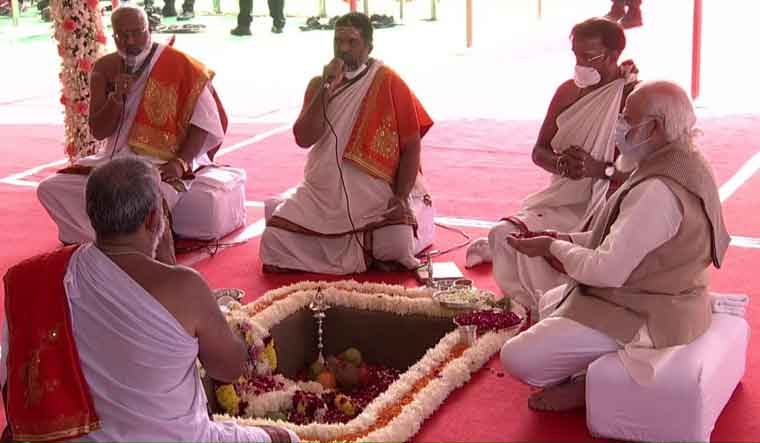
(348, 59)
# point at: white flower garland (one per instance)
(276, 305)
(78, 27)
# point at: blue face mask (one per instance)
(621, 133)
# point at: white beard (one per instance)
(139, 58)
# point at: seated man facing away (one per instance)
(120, 329)
(148, 100)
(576, 145)
(640, 275)
(364, 158)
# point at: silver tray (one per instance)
(476, 298)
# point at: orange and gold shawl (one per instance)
(389, 113)
(46, 395)
(171, 93)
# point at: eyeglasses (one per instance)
(590, 59)
(124, 35)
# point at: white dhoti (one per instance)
(63, 195)
(565, 205)
(319, 205)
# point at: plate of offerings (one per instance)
(463, 297)
(348, 361)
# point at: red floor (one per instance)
(477, 169)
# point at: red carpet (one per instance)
(476, 169)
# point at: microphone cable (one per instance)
(340, 171)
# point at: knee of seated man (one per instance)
(392, 243)
(497, 236)
(520, 359)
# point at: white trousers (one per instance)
(554, 349)
(524, 279)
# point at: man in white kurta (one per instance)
(649, 299)
(62, 194)
(353, 208)
(576, 145)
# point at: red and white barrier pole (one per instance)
(352, 4)
(469, 23)
(696, 50)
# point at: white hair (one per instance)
(670, 103)
(126, 8)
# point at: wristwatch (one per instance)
(609, 171)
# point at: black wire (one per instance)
(340, 170)
(118, 128)
(211, 247)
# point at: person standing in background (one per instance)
(276, 11)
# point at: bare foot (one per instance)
(565, 397)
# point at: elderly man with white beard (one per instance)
(151, 101)
(121, 329)
(640, 275)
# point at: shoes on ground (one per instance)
(240, 31)
(186, 15)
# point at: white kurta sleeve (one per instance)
(206, 117)
(581, 238)
(649, 216)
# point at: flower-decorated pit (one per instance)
(410, 350)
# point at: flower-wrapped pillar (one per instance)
(81, 40)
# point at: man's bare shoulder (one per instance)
(315, 82)
(567, 92)
(185, 278)
(108, 64)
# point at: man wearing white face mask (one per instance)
(576, 145)
(148, 100)
(639, 276)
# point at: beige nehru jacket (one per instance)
(668, 290)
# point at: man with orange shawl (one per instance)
(362, 201)
(152, 101)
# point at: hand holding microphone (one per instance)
(125, 79)
(334, 71)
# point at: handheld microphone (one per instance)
(331, 78)
(130, 63)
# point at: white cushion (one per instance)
(214, 206)
(687, 396)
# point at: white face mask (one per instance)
(586, 76)
(621, 136)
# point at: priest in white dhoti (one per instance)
(362, 201)
(102, 340)
(639, 277)
(576, 145)
(148, 100)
